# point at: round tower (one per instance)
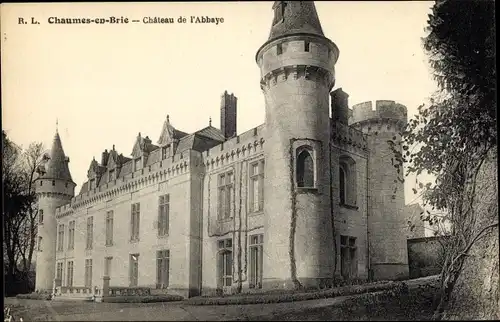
(386, 200)
(297, 74)
(54, 188)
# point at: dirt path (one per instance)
(323, 309)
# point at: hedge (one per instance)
(291, 296)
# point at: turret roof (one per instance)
(294, 17)
(57, 164)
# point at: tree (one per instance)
(19, 208)
(454, 137)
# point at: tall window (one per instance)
(70, 274)
(91, 184)
(107, 266)
(60, 238)
(88, 273)
(163, 214)
(111, 174)
(134, 222)
(257, 186)
(225, 263)
(342, 185)
(40, 216)
(256, 260)
(162, 268)
(348, 258)
(71, 235)
(109, 228)
(134, 269)
(90, 232)
(305, 169)
(59, 273)
(347, 181)
(226, 197)
(39, 243)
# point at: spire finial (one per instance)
(168, 118)
(210, 121)
(57, 125)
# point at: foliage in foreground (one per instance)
(454, 138)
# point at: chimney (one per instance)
(228, 115)
(339, 104)
(104, 159)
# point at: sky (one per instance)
(105, 83)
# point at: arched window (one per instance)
(347, 181)
(305, 169)
(342, 185)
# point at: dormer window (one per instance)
(137, 164)
(112, 175)
(279, 11)
(165, 152)
(91, 184)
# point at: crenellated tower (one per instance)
(297, 73)
(54, 187)
(386, 200)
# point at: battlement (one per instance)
(384, 109)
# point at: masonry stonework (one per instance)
(299, 201)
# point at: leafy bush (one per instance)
(143, 299)
(280, 296)
(35, 296)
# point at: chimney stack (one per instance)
(104, 158)
(228, 115)
(339, 105)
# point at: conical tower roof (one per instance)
(57, 165)
(294, 17)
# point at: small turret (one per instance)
(386, 208)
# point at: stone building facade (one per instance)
(308, 196)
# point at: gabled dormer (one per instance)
(93, 174)
(141, 150)
(113, 165)
(169, 139)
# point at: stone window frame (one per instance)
(256, 246)
(71, 235)
(135, 219)
(90, 233)
(163, 227)
(225, 248)
(162, 267)
(134, 270)
(260, 178)
(312, 147)
(88, 272)
(70, 268)
(109, 227)
(225, 189)
(60, 238)
(40, 216)
(348, 196)
(348, 244)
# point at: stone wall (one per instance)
(424, 256)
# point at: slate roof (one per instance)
(298, 17)
(56, 166)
